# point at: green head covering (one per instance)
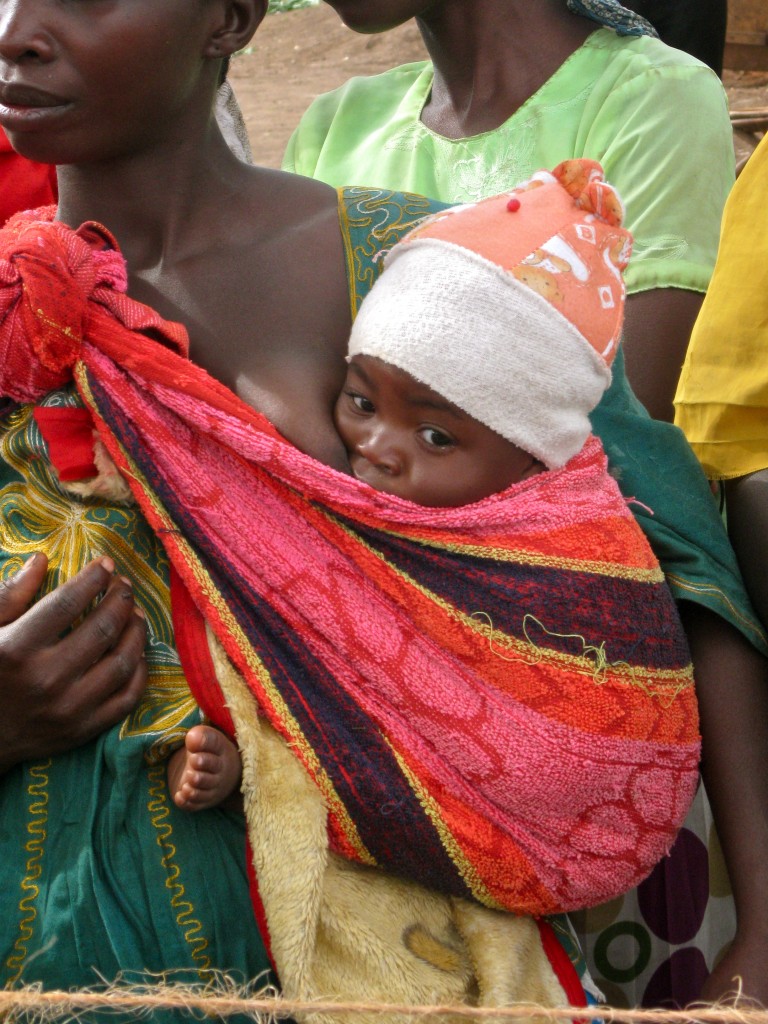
(611, 14)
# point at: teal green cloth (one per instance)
(654, 117)
(101, 873)
(674, 504)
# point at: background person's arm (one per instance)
(674, 182)
(747, 507)
(732, 687)
(657, 329)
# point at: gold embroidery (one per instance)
(43, 317)
(519, 556)
(190, 926)
(35, 847)
(688, 587)
(373, 220)
(593, 661)
(519, 649)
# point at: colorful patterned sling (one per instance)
(495, 702)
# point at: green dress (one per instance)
(102, 874)
(655, 118)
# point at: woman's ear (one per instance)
(235, 25)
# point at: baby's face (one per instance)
(403, 438)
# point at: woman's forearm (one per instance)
(732, 685)
(747, 505)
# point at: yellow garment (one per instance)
(722, 397)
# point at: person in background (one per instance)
(696, 26)
(513, 86)
(24, 184)
(722, 399)
(492, 104)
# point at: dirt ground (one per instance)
(297, 55)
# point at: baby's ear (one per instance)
(234, 26)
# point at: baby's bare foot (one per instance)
(205, 771)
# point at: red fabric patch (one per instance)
(68, 432)
(561, 964)
(26, 184)
(195, 654)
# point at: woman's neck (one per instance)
(157, 202)
(491, 56)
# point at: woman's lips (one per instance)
(24, 106)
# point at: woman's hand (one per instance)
(60, 691)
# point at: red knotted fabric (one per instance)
(58, 286)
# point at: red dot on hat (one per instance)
(513, 205)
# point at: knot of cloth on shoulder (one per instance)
(49, 278)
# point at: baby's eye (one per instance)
(360, 402)
(436, 438)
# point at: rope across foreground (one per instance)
(33, 1005)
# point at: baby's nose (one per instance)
(381, 453)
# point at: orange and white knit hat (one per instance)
(511, 308)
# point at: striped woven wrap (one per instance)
(495, 701)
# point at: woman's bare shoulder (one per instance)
(284, 226)
(294, 223)
(292, 202)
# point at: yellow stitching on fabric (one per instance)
(35, 847)
(597, 664)
(521, 557)
(520, 647)
(466, 869)
(708, 588)
(502, 555)
(185, 919)
(41, 315)
(496, 634)
(601, 664)
(66, 331)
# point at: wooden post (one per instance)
(746, 47)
